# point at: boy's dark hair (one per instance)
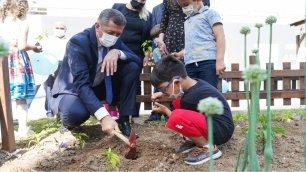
(167, 68)
(155, 31)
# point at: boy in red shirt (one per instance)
(170, 77)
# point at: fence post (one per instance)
(147, 88)
(6, 117)
(287, 82)
(235, 84)
(302, 82)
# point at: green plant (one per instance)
(245, 31)
(211, 107)
(253, 75)
(147, 46)
(44, 34)
(258, 26)
(81, 137)
(113, 160)
(268, 147)
(239, 118)
(41, 129)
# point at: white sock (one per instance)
(22, 116)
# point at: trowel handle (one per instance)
(122, 137)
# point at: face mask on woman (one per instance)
(137, 5)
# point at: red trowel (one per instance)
(131, 142)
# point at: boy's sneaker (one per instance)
(201, 155)
(186, 147)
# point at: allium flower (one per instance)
(4, 48)
(255, 51)
(258, 25)
(271, 19)
(254, 74)
(211, 106)
(245, 30)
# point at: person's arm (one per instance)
(23, 41)
(215, 22)
(165, 17)
(220, 41)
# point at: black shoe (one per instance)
(125, 127)
(154, 117)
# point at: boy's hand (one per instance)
(109, 125)
(162, 47)
(178, 55)
(156, 96)
(220, 68)
(161, 109)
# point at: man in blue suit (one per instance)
(97, 66)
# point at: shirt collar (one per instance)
(204, 8)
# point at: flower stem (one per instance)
(257, 54)
(268, 153)
(211, 143)
(254, 165)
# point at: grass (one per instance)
(277, 116)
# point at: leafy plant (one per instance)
(42, 35)
(113, 160)
(81, 137)
(147, 46)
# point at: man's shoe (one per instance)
(125, 127)
(153, 117)
(186, 147)
(201, 155)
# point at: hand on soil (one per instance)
(108, 125)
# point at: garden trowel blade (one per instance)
(132, 152)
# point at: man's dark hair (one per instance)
(167, 68)
(114, 15)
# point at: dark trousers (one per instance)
(73, 112)
(205, 70)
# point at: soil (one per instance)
(156, 151)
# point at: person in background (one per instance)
(56, 46)
(171, 38)
(97, 66)
(204, 42)
(136, 32)
(15, 29)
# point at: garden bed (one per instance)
(156, 151)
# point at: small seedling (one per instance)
(113, 160)
(81, 138)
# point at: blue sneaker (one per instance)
(186, 147)
(201, 155)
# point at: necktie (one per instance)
(108, 82)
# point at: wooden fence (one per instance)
(6, 117)
(289, 77)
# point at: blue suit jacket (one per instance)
(78, 69)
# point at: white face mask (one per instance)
(108, 40)
(59, 33)
(188, 10)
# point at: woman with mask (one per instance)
(171, 38)
(15, 29)
(136, 31)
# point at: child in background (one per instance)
(169, 76)
(204, 42)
